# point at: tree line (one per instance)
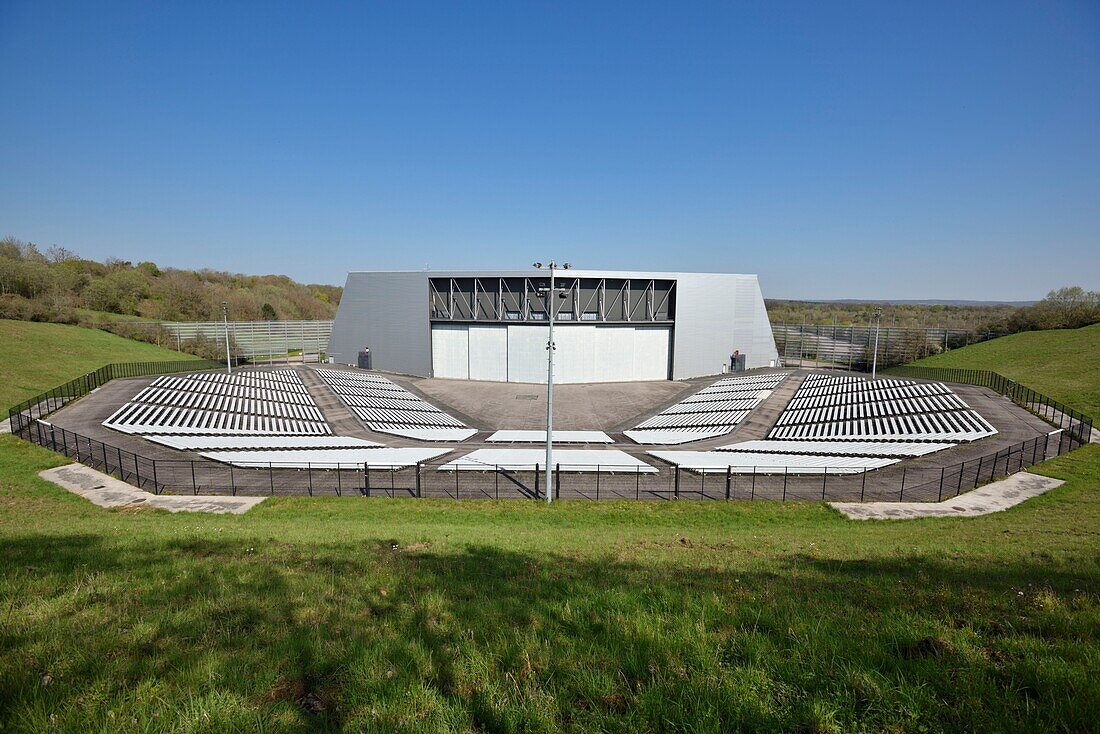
(1064, 308)
(57, 285)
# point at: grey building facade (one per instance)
(609, 326)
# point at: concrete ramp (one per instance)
(986, 500)
(106, 491)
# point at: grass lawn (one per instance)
(40, 356)
(1062, 363)
(418, 615)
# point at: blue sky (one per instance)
(863, 150)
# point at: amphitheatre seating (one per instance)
(713, 411)
(256, 403)
(386, 407)
(840, 407)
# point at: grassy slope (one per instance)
(418, 615)
(39, 356)
(1062, 363)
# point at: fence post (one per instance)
(496, 481)
(939, 497)
(456, 482)
(557, 481)
(978, 474)
(597, 481)
(156, 488)
(419, 491)
(637, 482)
(729, 474)
(137, 469)
(824, 479)
(309, 476)
(784, 484)
(271, 478)
(536, 480)
(863, 486)
(676, 483)
(752, 489)
(232, 480)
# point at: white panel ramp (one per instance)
(374, 458)
(525, 436)
(706, 462)
(607, 461)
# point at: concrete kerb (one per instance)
(994, 497)
(106, 491)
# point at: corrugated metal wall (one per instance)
(517, 352)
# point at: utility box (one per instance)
(364, 358)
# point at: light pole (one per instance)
(549, 293)
(874, 363)
(225, 320)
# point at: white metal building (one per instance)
(609, 326)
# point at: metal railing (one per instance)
(914, 482)
(256, 341)
(852, 347)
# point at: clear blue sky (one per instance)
(865, 150)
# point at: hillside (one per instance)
(394, 615)
(61, 287)
(40, 356)
(1061, 363)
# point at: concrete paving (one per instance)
(991, 498)
(106, 491)
(513, 405)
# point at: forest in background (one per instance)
(57, 285)
(1065, 308)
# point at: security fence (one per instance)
(914, 481)
(853, 347)
(256, 341)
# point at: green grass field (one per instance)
(40, 356)
(1063, 364)
(417, 615)
(436, 616)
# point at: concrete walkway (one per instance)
(991, 498)
(106, 491)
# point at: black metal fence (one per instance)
(912, 481)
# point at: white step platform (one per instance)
(515, 436)
(670, 437)
(380, 458)
(718, 461)
(838, 448)
(573, 460)
(261, 443)
(445, 435)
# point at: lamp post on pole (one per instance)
(225, 321)
(550, 347)
(878, 322)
